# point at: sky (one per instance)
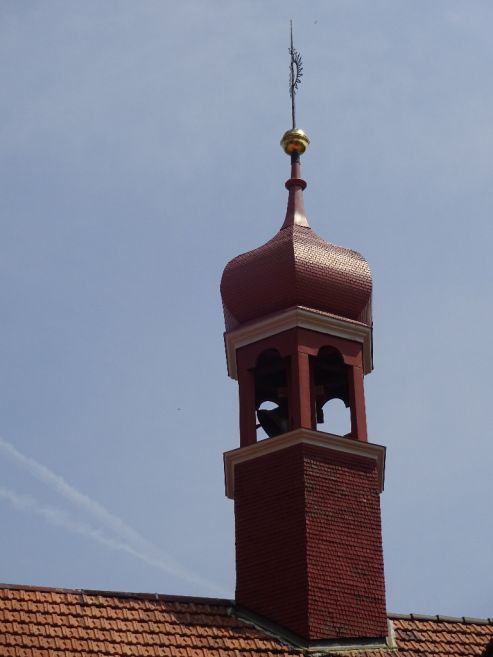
(139, 152)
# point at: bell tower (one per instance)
(297, 310)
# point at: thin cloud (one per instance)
(129, 540)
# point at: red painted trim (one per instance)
(248, 430)
(299, 344)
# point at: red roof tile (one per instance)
(442, 637)
(52, 623)
(37, 622)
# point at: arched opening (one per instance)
(331, 393)
(337, 417)
(271, 394)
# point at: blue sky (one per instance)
(138, 154)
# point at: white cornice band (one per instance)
(307, 437)
(298, 317)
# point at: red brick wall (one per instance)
(271, 574)
(344, 539)
(308, 543)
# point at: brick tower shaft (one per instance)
(308, 542)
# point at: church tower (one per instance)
(298, 334)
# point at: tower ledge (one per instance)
(327, 441)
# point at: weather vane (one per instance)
(295, 74)
(294, 141)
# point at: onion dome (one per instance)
(296, 267)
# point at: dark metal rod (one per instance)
(292, 85)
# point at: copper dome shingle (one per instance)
(296, 268)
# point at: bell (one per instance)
(274, 421)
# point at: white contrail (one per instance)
(65, 490)
(60, 518)
(131, 541)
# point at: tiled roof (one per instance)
(442, 636)
(36, 622)
(74, 623)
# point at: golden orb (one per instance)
(294, 141)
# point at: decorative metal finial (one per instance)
(295, 75)
(294, 141)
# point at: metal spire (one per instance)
(294, 143)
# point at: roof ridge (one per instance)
(120, 594)
(467, 620)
